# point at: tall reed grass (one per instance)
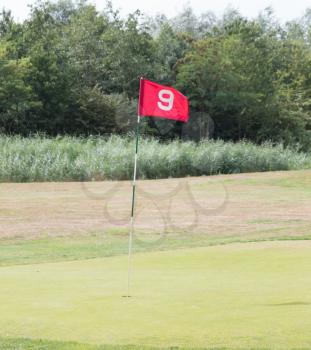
(97, 158)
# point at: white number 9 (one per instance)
(169, 101)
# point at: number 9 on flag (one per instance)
(162, 101)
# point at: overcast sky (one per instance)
(284, 9)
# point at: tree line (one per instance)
(70, 69)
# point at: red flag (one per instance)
(162, 101)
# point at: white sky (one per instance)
(284, 9)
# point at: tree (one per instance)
(70, 69)
(129, 55)
(17, 99)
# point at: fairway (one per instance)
(253, 295)
(236, 276)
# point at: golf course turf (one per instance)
(244, 284)
(253, 295)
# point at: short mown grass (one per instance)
(98, 158)
(108, 244)
(237, 296)
(29, 344)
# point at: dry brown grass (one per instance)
(270, 204)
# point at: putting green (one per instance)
(252, 295)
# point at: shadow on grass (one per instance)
(290, 303)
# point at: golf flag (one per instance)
(154, 101)
(162, 101)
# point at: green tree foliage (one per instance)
(129, 55)
(252, 78)
(69, 69)
(16, 95)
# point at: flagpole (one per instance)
(150, 108)
(133, 210)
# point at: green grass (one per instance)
(252, 295)
(28, 344)
(95, 158)
(82, 247)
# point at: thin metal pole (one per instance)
(133, 211)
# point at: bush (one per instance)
(98, 158)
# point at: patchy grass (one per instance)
(46, 222)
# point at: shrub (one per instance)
(98, 158)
